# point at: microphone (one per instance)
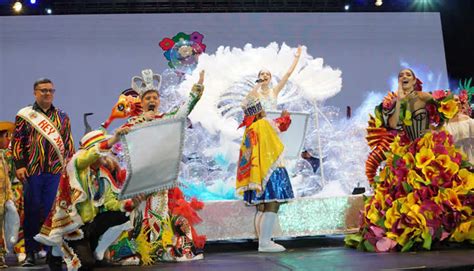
(151, 107)
(259, 80)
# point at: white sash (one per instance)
(48, 130)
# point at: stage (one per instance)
(321, 253)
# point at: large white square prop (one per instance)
(153, 153)
(293, 138)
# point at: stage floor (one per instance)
(320, 253)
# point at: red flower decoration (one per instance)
(463, 97)
(439, 94)
(166, 44)
(433, 113)
(439, 137)
(440, 149)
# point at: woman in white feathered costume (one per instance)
(231, 76)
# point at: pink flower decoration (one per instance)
(378, 232)
(444, 235)
(463, 97)
(199, 48)
(385, 244)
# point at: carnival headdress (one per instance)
(147, 82)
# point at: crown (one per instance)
(147, 82)
(251, 106)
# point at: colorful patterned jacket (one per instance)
(33, 151)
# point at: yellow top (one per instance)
(260, 151)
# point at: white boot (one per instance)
(265, 244)
(257, 222)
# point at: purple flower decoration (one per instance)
(196, 37)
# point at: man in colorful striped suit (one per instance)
(42, 144)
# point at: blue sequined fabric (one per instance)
(278, 188)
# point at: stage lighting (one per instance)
(33, 2)
(378, 3)
(347, 7)
(17, 6)
(425, 5)
(48, 11)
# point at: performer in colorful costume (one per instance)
(6, 193)
(461, 126)
(166, 219)
(261, 176)
(423, 192)
(86, 205)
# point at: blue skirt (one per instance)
(278, 189)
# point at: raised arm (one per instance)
(90, 156)
(395, 116)
(285, 77)
(194, 97)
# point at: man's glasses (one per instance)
(46, 90)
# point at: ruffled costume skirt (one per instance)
(277, 189)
